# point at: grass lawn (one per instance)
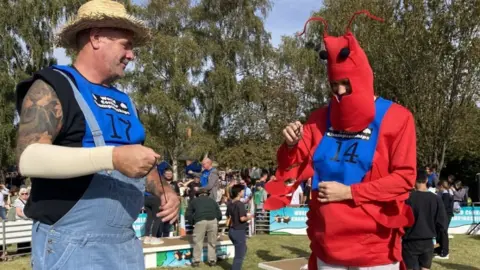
(464, 253)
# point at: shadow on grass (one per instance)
(297, 251)
(266, 256)
(456, 266)
(224, 264)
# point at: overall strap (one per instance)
(87, 112)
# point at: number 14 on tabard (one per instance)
(350, 152)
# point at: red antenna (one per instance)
(363, 12)
(315, 19)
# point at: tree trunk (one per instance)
(175, 168)
(442, 158)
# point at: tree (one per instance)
(233, 42)
(164, 82)
(27, 38)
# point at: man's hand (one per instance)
(134, 161)
(292, 133)
(169, 209)
(333, 192)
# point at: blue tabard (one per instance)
(346, 157)
(204, 178)
(113, 109)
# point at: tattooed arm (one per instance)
(40, 122)
(40, 118)
(170, 205)
(154, 184)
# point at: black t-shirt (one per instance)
(429, 215)
(235, 210)
(51, 199)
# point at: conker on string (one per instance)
(323, 55)
(344, 53)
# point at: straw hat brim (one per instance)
(68, 35)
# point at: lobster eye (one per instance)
(323, 55)
(344, 53)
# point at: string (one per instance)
(161, 182)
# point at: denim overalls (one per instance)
(97, 232)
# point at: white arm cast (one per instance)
(60, 162)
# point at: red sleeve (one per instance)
(403, 163)
(295, 162)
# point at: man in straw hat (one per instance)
(80, 140)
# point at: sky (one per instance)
(286, 17)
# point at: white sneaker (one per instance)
(156, 241)
(147, 240)
(305, 267)
(441, 257)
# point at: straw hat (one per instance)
(102, 13)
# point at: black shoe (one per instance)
(212, 263)
(195, 264)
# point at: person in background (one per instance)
(247, 194)
(228, 189)
(161, 167)
(442, 236)
(152, 224)
(192, 185)
(168, 177)
(263, 179)
(297, 196)
(307, 192)
(238, 217)
(10, 201)
(259, 197)
(3, 195)
(208, 178)
(204, 213)
(224, 200)
(220, 191)
(192, 166)
(432, 176)
(19, 204)
(430, 218)
(459, 193)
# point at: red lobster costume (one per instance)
(364, 142)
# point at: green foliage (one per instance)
(27, 36)
(212, 69)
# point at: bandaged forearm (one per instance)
(58, 162)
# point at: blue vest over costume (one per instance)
(113, 109)
(347, 157)
(204, 178)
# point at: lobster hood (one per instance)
(346, 60)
